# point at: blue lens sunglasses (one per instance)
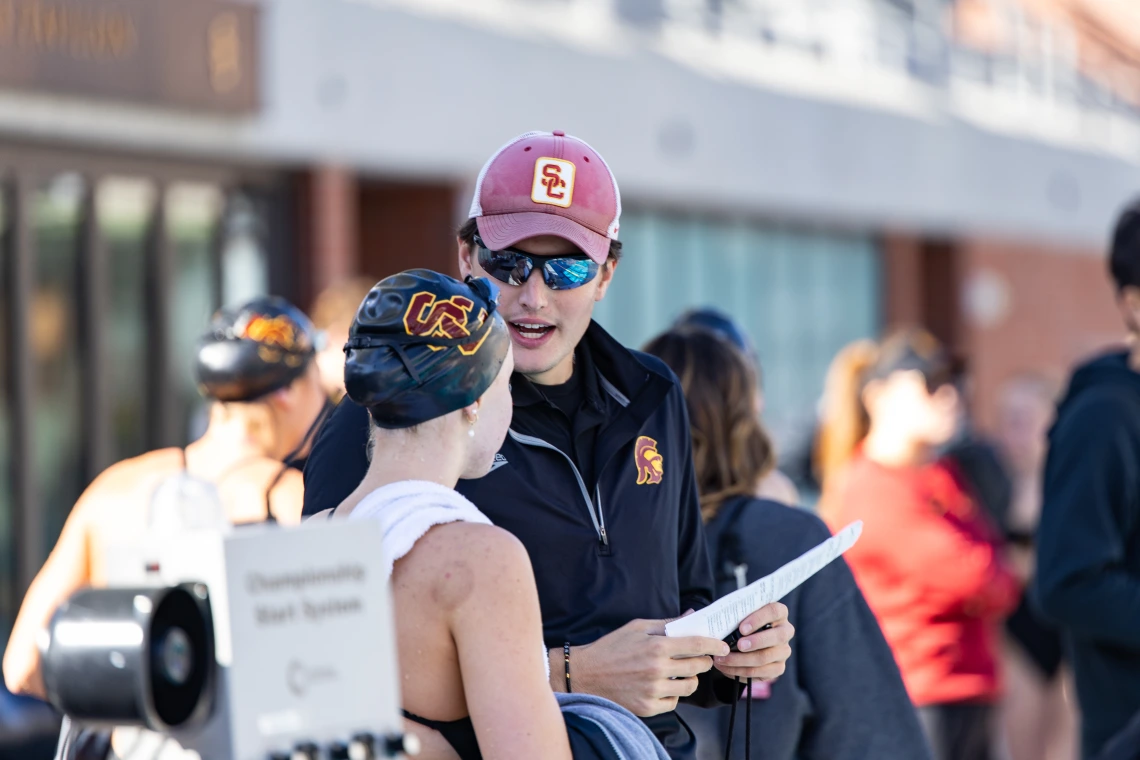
(514, 267)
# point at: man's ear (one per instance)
(465, 268)
(1130, 295)
(605, 276)
(1128, 301)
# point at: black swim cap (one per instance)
(424, 345)
(254, 349)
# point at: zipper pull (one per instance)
(603, 543)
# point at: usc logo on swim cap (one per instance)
(427, 317)
(553, 182)
(650, 464)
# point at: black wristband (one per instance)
(566, 653)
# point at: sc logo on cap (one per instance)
(553, 182)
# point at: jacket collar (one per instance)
(525, 392)
(609, 369)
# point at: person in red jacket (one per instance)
(929, 562)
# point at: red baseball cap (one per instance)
(547, 183)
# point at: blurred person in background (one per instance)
(256, 363)
(774, 485)
(332, 312)
(841, 695)
(595, 476)
(1088, 541)
(929, 561)
(976, 455)
(1038, 718)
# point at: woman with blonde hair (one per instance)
(841, 680)
(929, 561)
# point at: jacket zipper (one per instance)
(596, 515)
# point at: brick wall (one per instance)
(1031, 307)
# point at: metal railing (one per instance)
(1035, 69)
(1039, 60)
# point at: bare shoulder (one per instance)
(123, 482)
(288, 496)
(463, 561)
(488, 545)
(128, 473)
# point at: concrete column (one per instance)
(328, 229)
(903, 278)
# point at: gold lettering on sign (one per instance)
(55, 27)
(224, 46)
(7, 22)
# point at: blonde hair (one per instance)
(845, 422)
(336, 306)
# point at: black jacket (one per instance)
(627, 543)
(1088, 544)
(841, 697)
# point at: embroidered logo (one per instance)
(553, 182)
(443, 319)
(500, 460)
(650, 464)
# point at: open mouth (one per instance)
(531, 334)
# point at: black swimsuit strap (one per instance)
(269, 518)
(237, 466)
(460, 734)
(432, 724)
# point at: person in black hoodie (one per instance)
(841, 696)
(1088, 543)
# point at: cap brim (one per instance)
(504, 230)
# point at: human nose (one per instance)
(534, 294)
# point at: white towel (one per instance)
(408, 509)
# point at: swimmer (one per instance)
(430, 359)
(256, 364)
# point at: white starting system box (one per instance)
(253, 643)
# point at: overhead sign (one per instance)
(196, 55)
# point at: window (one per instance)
(801, 295)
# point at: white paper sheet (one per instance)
(723, 616)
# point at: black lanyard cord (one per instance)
(747, 723)
(311, 433)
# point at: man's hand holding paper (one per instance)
(764, 651)
(639, 668)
